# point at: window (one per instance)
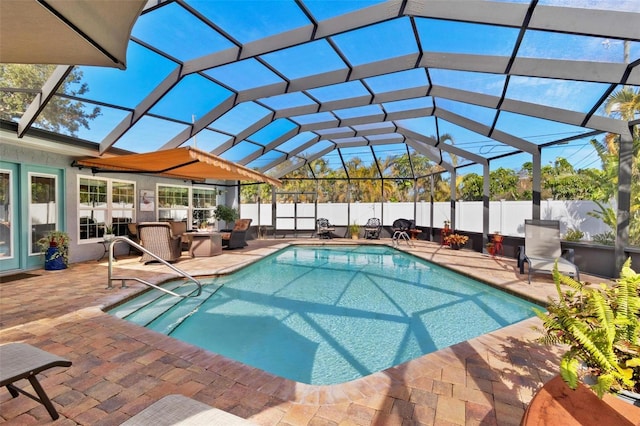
(173, 203)
(204, 203)
(183, 203)
(102, 203)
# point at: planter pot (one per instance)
(108, 237)
(456, 246)
(557, 404)
(53, 260)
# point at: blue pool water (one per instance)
(326, 315)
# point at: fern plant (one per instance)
(601, 326)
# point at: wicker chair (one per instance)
(237, 238)
(156, 237)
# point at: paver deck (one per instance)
(120, 368)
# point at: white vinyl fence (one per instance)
(506, 217)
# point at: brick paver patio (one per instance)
(119, 368)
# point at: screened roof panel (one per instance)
(127, 88)
(464, 37)
(297, 141)
(241, 150)
(209, 140)
(273, 131)
(244, 75)
(248, 21)
(548, 45)
(619, 5)
(391, 39)
(479, 82)
(339, 92)
(570, 95)
(240, 118)
(172, 29)
(266, 159)
(203, 94)
(537, 130)
(147, 133)
(476, 113)
(398, 81)
(305, 59)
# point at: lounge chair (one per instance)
(401, 229)
(372, 229)
(324, 229)
(237, 237)
(180, 410)
(542, 249)
(23, 361)
(156, 237)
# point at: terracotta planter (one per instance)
(557, 404)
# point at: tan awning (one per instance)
(180, 163)
(67, 32)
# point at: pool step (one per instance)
(154, 302)
(172, 318)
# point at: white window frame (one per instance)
(189, 209)
(108, 209)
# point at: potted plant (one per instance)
(354, 230)
(600, 327)
(456, 241)
(108, 233)
(490, 249)
(225, 213)
(55, 247)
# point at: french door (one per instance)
(31, 204)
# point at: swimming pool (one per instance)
(330, 314)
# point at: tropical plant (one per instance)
(574, 234)
(59, 239)
(225, 213)
(601, 328)
(63, 113)
(354, 229)
(456, 239)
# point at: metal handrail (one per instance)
(140, 280)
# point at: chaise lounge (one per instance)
(542, 249)
(180, 410)
(22, 361)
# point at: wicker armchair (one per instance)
(237, 238)
(156, 237)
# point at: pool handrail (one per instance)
(132, 243)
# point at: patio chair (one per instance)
(237, 237)
(23, 361)
(401, 229)
(542, 249)
(179, 229)
(181, 410)
(156, 237)
(372, 229)
(324, 229)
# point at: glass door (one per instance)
(8, 241)
(43, 208)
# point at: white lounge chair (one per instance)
(180, 410)
(542, 249)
